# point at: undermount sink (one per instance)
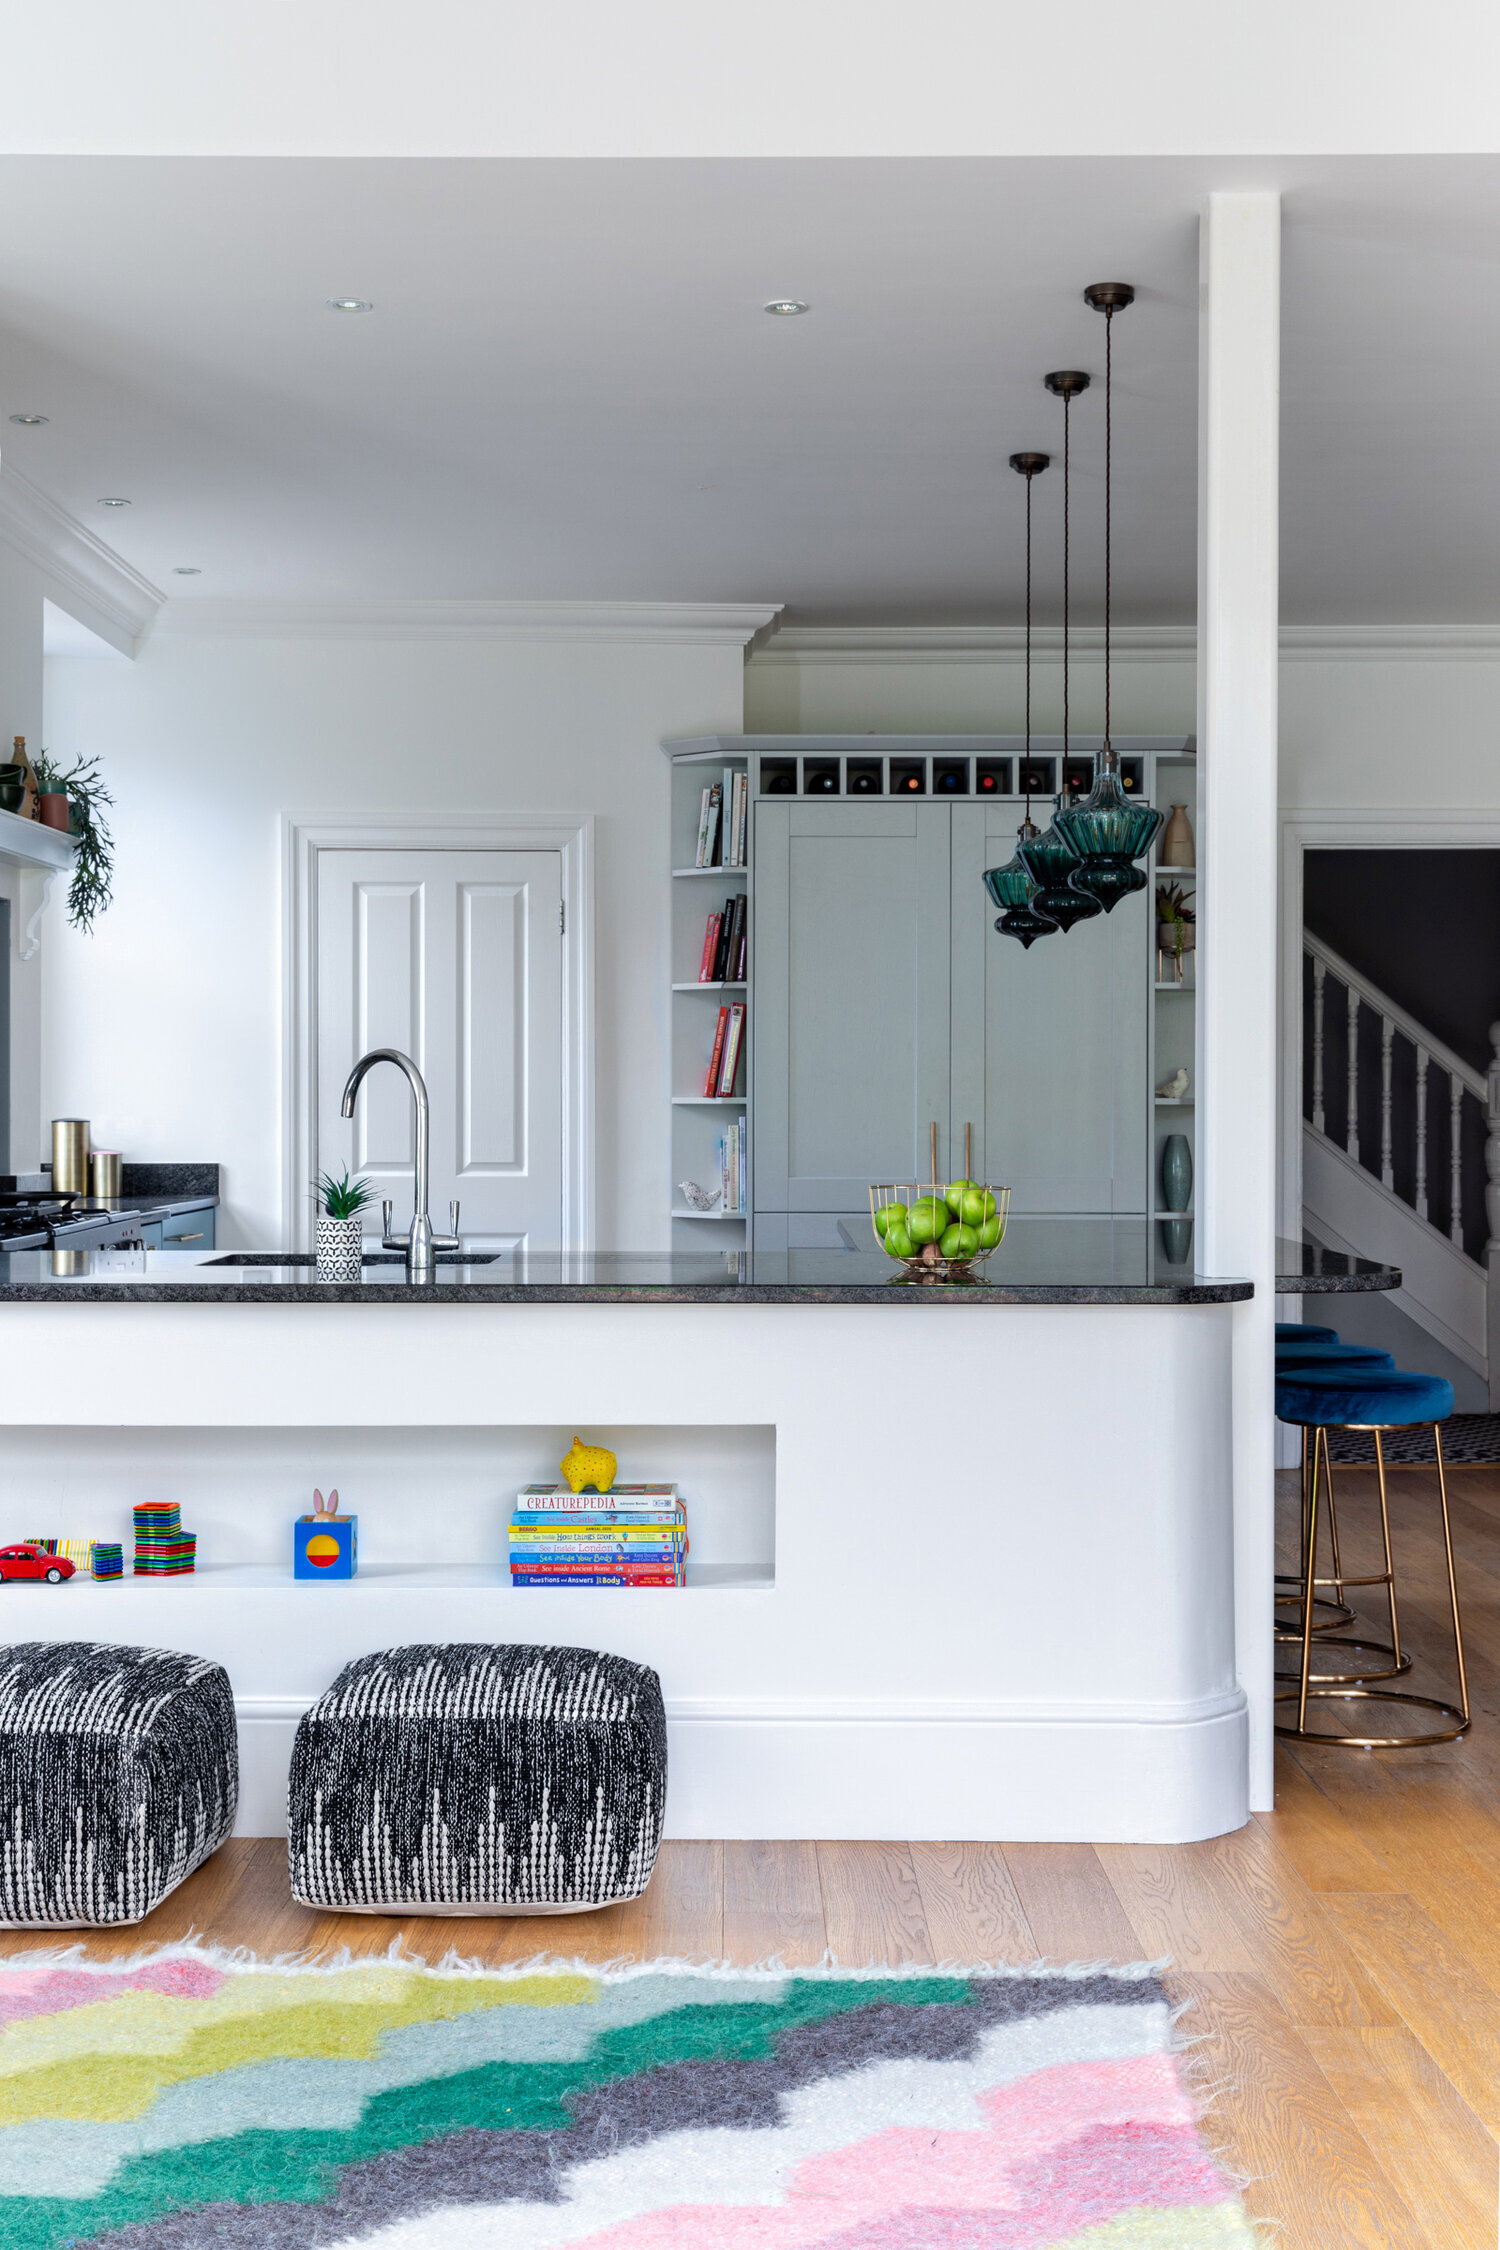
(370, 1258)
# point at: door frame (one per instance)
(303, 837)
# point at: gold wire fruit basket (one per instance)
(939, 1233)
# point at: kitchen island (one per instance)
(962, 1557)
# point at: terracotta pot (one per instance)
(52, 809)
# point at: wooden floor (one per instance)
(1340, 1957)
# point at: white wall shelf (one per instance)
(727, 984)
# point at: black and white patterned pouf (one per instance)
(470, 1779)
(119, 1774)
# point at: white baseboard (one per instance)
(1169, 1773)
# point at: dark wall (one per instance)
(1424, 927)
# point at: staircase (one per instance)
(1401, 1157)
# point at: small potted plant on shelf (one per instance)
(71, 800)
(1176, 923)
(341, 1226)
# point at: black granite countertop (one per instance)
(1041, 1262)
(1306, 1269)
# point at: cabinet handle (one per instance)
(198, 1237)
(933, 1174)
(968, 1152)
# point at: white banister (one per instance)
(1421, 1194)
(1387, 1034)
(1320, 978)
(1351, 1121)
(1381, 1004)
(1455, 1163)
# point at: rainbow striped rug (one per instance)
(193, 2101)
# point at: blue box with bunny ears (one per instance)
(325, 1544)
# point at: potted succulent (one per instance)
(71, 800)
(341, 1226)
(1176, 923)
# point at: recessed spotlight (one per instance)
(31, 421)
(186, 570)
(786, 306)
(350, 304)
(114, 503)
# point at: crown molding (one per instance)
(985, 644)
(702, 624)
(84, 577)
(1133, 644)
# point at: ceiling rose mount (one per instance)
(1067, 383)
(1109, 296)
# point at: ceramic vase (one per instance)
(340, 1243)
(1176, 1173)
(1177, 846)
(1176, 1240)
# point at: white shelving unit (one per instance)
(700, 1120)
(1174, 1015)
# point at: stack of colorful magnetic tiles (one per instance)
(162, 1548)
(103, 1558)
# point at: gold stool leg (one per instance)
(1309, 1588)
(1307, 1693)
(1458, 1631)
(1343, 1614)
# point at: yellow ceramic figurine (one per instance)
(585, 1465)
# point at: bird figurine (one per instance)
(585, 1465)
(1172, 1089)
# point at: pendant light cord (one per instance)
(1067, 493)
(1109, 330)
(1028, 645)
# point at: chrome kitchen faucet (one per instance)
(421, 1244)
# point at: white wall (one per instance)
(22, 594)
(165, 1027)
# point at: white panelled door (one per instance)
(455, 957)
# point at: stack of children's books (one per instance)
(632, 1535)
(162, 1548)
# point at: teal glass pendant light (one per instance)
(1013, 886)
(1049, 857)
(1109, 831)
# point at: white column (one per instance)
(1238, 417)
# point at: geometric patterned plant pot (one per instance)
(119, 1774)
(467, 1778)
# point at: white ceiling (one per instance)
(568, 389)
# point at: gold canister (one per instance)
(104, 1175)
(70, 1156)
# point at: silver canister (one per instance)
(70, 1155)
(104, 1175)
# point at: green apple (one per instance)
(883, 1218)
(954, 1194)
(898, 1243)
(989, 1233)
(926, 1222)
(959, 1242)
(976, 1206)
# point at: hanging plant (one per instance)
(93, 882)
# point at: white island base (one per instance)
(957, 1571)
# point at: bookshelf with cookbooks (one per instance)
(710, 998)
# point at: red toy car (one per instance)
(34, 1562)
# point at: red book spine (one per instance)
(710, 1083)
(710, 948)
(732, 1048)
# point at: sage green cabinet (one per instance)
(885, 1003)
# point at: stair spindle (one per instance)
(1387, 1034)
(1455, 1164)
(1420, 1198)
(1351, 1123)
(1320, 977)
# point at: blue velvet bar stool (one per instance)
(1304, 1332)
(1301, 1351)
(1343, 1396)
